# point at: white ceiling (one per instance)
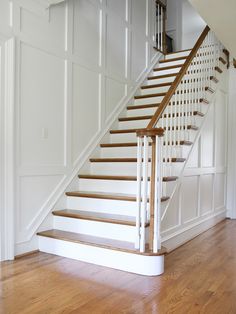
(221, 17)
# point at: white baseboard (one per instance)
(184, 235)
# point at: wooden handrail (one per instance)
(177, 80)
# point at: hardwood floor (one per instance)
(200, 277)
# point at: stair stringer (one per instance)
(169, 235)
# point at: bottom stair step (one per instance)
(100, 251)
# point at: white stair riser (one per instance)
(131, 137)
(193, 120)
(139, 264)
(95, 228)
(102, 205)
(118, 152)
(149, 100)
(154, 90)
(119, 168)
(177, 55)
(140, 112)
(165, 72)
(112, 186)
(172, 63)
(161, 80)
(150, 111)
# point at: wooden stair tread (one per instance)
(218, 69)
(209, 89)
(157, 77)
(213, 78)
(109, 196)
(168, 68)
(95, 216)
(222, 60)
(134, 144)
(150, 95)
(143, 106)
(124, 131)
(120, 178)
(97, 242)
(173, 59)
(156, 85)
(122, 159)
(124, 119)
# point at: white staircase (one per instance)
(99, 223)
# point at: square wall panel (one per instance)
(193, 161)
(85, 108)
(189, 198)
(115, 92)
(42, 106)
(207, 140)
(116, 46)
(219, 191)
(221, 136)
(118, 7)
(86, 31)
(206, 190)
(171, 218)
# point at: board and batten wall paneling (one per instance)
(200, 199)
(77, 65)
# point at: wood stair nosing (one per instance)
(213, 78)
(130, 160)
(98, 217)
(112, 145)
(120, 178)
(156, 85)
(222, 60)
(209, 89)
(150, 95)
(136, 118)
(108, 196)
(103, 243)
(143, 106)
(218, 69)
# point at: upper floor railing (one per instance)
(160, 27)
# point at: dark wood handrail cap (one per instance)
(150, 132)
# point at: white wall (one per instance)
(184, 24)
(76, 64)
(231, 182)
(222, 22)
(200, 200)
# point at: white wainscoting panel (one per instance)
(77, 65)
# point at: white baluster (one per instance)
(139, 190)
(144, 193)
(157, 206)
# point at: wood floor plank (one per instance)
(200, 277)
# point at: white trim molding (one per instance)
(7, 149)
